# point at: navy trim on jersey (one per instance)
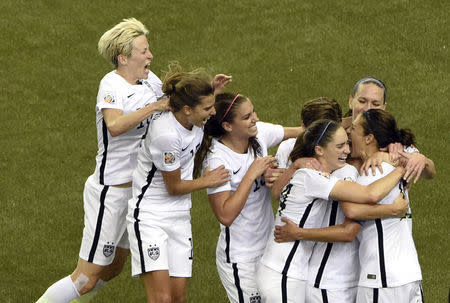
(381, 252)
(98, 227)
(421, 293)
(105, 151)
(324, 295)
(326, 254)
(292, 253)
(237, 282)
(375, 295)
(227, 241)
(136, 215)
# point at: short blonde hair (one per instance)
(118, 40)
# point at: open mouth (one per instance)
(342, 158)
(147, 66)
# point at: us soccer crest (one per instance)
(255, 298)
(108, 249)
(153, 252)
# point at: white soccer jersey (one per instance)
(303, 200)
(167, 147)
(245, 239)
(283, 152)
(335, 266)
(387, 254)
(116, 156)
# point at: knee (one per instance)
(111, 271)
(179, 299)
(161, 297)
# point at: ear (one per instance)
(318, 150)
(227, 126)
(122, 60)
(369, 139)
(187, 110)
(350, 101)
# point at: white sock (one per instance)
(62, 291)
(90, 295)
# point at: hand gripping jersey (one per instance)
(387, 254)
(116, 156)
(167, 147)
(283, 152)
(245, 239)
(335, 266)
(304, 201)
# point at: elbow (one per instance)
(350, 213)
(226, 221)
(373, 197)
(113, 131)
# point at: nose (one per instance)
(347, 149)
(255, 117)
(149, 55)
(213, 111)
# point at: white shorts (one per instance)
(408, 293)
(238, 279)
(105, 210)
(317, 295)
(160, 241)
(274, 289)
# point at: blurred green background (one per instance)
(280, 54)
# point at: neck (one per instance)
(123, 72)
(324, 163)
(237, 145)
(183, 120)
(368, 151)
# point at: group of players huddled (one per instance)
(342, 232)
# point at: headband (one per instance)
(323, 132)
(229, 107)
(373, 80)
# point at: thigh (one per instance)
(180, 245)
(239, 280)
(178, 289)
(274, 289)
(149, 248)
(105, 210)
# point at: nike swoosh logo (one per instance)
(183, 149)
(235, 172)
(131, 95)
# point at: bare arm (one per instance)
(345, 232)
(353, 192)
(118, 123)
(227, 206)
(292, 132)
(358, 211)
(211, 178)
(417, 165)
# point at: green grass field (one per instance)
(280, 54)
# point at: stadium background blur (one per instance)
(280, 54)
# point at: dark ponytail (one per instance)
(383, 126)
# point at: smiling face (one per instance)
(200, 113)
(334, 154)
(367, 96)
(244, 121)
(138, 62)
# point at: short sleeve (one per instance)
(270, 134)
(318, 184)
(155, 83)
(283, 152)
(213, 163)
(109, 95)
(165, 152)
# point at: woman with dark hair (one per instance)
(284, 266)
(158, 217)
(235, 139)
(390, 270)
